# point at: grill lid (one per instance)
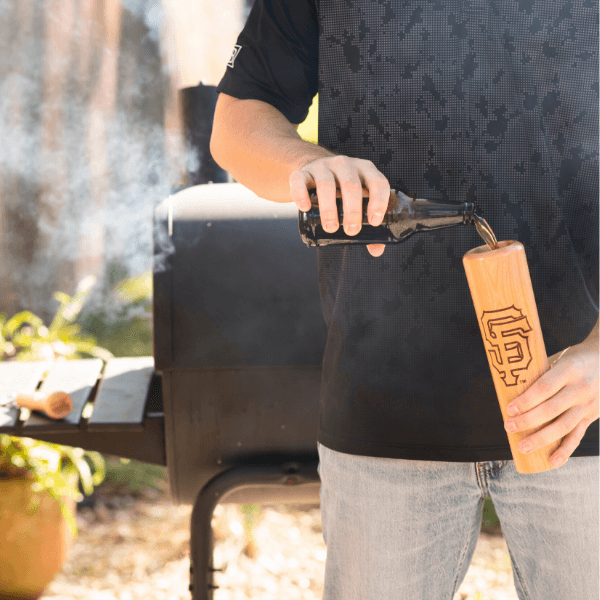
(233, 285)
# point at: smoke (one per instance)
(81, 173)
(152, 14)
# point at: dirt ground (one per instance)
(136, 548)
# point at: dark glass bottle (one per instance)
(404, 216)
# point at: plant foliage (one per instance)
(25, 337)
(51, 468)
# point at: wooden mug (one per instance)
(510, 327)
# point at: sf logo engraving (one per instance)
(507, 340)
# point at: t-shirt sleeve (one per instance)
(275, 58)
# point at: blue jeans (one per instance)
(406, 530)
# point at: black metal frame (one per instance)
(223, 488)
(145, 443)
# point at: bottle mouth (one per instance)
(469, 213)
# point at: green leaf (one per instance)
(23, 340)
(70, 307)
(20, 319)
(2, 340)
(62, 297)
(68, 331)
(28, 355)
(102, 353)
(135, 289)
(85, 475)
(99, 466)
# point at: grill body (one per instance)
(239, 338)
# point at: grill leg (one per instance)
(201, 546)
(217, 490)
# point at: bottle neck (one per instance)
(428, 214)
(469, 213)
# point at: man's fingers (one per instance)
(352, 193)
(569, 444)
(354, 177)
(299, 183)
(319, 177)
(549, 384)
(556, 430)
(546, 411)
(559, 406)
(375, 249)
(379, 192)
(326, 193)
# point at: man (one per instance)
(491, 101)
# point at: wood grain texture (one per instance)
(16, 377)
(506, 310)
(122, 395)
(75, 377)
(57, 405)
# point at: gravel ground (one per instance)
(137, 548)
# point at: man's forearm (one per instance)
(263, 151)
(259, 146)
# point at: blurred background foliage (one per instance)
(124, 328)
(309, 129)
(131, 477)
(125, 331)
(25, 337)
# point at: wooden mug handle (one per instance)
(507, 313)
(57, 405)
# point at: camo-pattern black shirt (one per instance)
(489, 101)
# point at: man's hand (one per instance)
(565, 398)
(352, 175)
(257, 144)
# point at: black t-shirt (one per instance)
(494, 102)
(276, 57)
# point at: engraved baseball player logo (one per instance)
(507, 340)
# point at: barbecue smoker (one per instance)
(229, 401)
(238, 338)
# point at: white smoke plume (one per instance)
(82, 164)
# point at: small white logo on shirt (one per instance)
(236, 51)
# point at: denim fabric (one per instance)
(406, 530)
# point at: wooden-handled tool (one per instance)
(57, 405)
(508, 319)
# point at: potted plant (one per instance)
(40, 481)
(39, 484)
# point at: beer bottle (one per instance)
(404, 216)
